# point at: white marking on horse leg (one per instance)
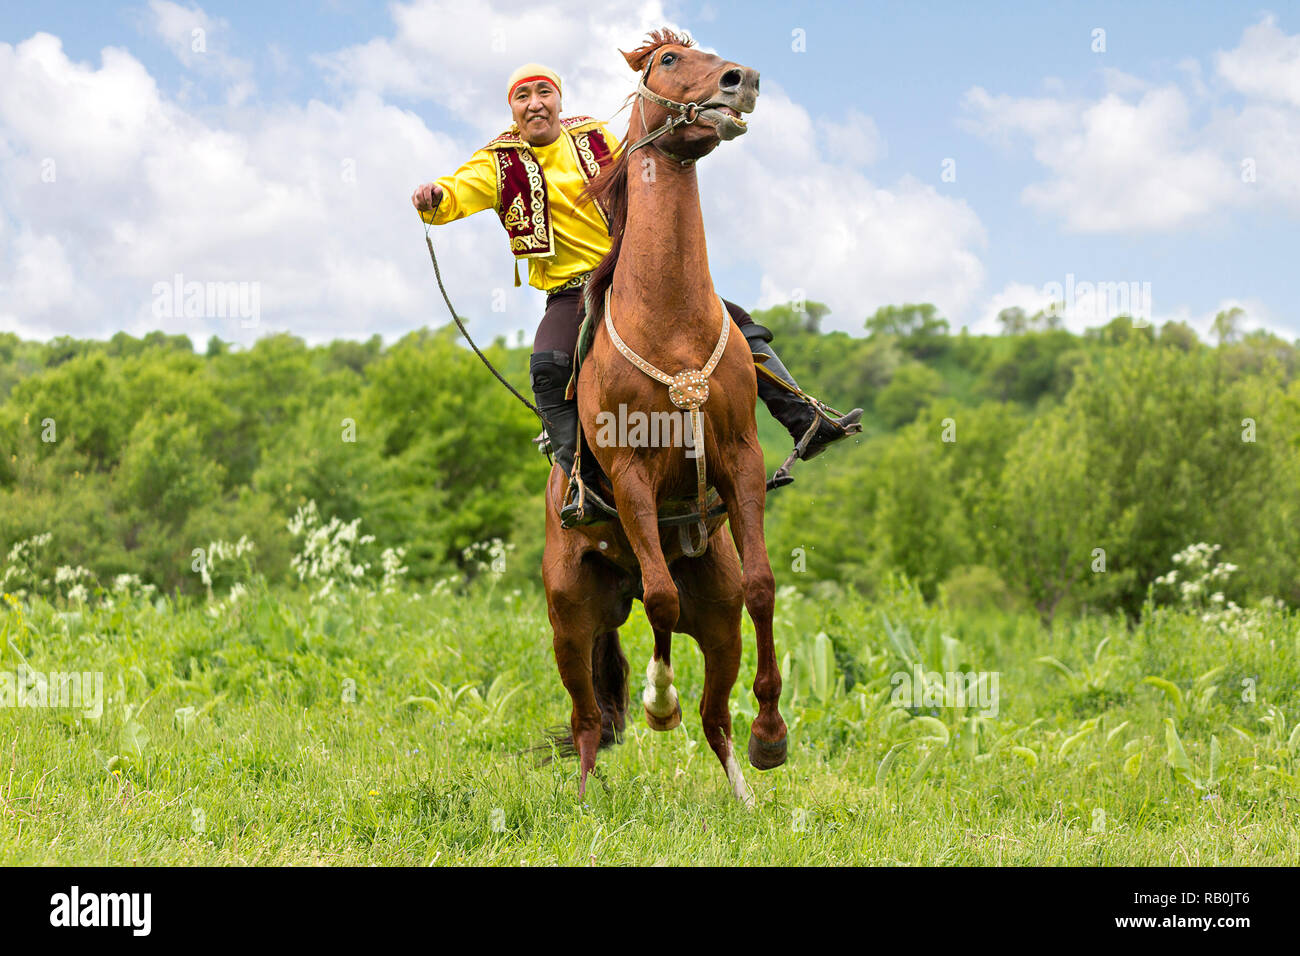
(660, 697)
(737, 779)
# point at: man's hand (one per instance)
(426, 197)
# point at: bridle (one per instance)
(687, 113)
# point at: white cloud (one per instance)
(201, 42)
(784, 200)
(1032, 299)
(312, 201)
(102, 115)
(41, 282)
(1264, 145)
(459, 53)
(855, 141)
(1265, 65)
(1116, 165)
(1139, 158)
(999, 117)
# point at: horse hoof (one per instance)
(765, 756)
(664, 723)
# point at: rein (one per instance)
(491, 368)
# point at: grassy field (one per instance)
(236, 738)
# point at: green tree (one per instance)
(1180, 335)
(1053, 521)
(919, 328)
(1029, 370)
(1014, 321)
(913, 387)
(456, 450)
(1227, 325)
(792, 317)
(919, 527)
(164, 473)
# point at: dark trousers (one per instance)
(562, 320)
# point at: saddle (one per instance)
(682, 513)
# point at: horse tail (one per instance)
(609, 675)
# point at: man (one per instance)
(532, 175)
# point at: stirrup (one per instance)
(782, 477)
(593, 510)
(848, 425)
(584, 507)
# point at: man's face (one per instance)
(536, 107)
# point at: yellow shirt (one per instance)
(581, 237)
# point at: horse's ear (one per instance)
(654, 40)
(636, 59)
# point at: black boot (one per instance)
(790, 405)
(550, 373)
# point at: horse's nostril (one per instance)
(730, 80)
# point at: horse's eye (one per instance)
(667, 58)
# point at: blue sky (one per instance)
(883, 94)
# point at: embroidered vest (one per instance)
(522, 203)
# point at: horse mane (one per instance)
(609, 188)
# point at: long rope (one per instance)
(450, 308)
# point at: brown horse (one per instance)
(666, 311)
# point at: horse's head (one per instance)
(673, 69)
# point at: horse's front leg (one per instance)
(743, 488)
(638, 511)
(711, 607)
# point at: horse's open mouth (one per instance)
(732, 124)
(735, 115)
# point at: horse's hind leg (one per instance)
(711, 605)
(581, 616)
(573, 644)
(609, 672)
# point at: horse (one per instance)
(656, 286)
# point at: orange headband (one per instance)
(527, 79)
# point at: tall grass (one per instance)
(386, 728)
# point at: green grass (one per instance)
(274, 766)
